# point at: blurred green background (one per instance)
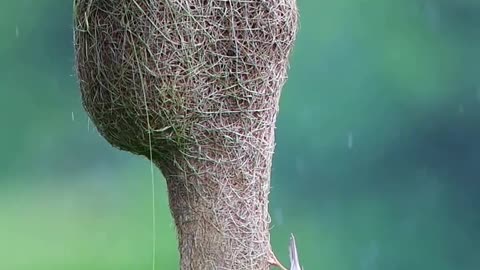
(378, 152)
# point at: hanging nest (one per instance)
(193, 85)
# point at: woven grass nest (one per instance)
(194, 85)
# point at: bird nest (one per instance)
(193, 85)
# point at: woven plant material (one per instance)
(194, 85)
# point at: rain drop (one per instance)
(350, 140)
(279, 216)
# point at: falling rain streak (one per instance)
(350, 140)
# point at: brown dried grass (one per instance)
(194, 85)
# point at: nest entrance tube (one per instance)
(194, 85)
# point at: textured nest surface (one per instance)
(194, 85)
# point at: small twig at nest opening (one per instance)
(294, 261)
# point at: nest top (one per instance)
(172, 75)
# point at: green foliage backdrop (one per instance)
(377, 161)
